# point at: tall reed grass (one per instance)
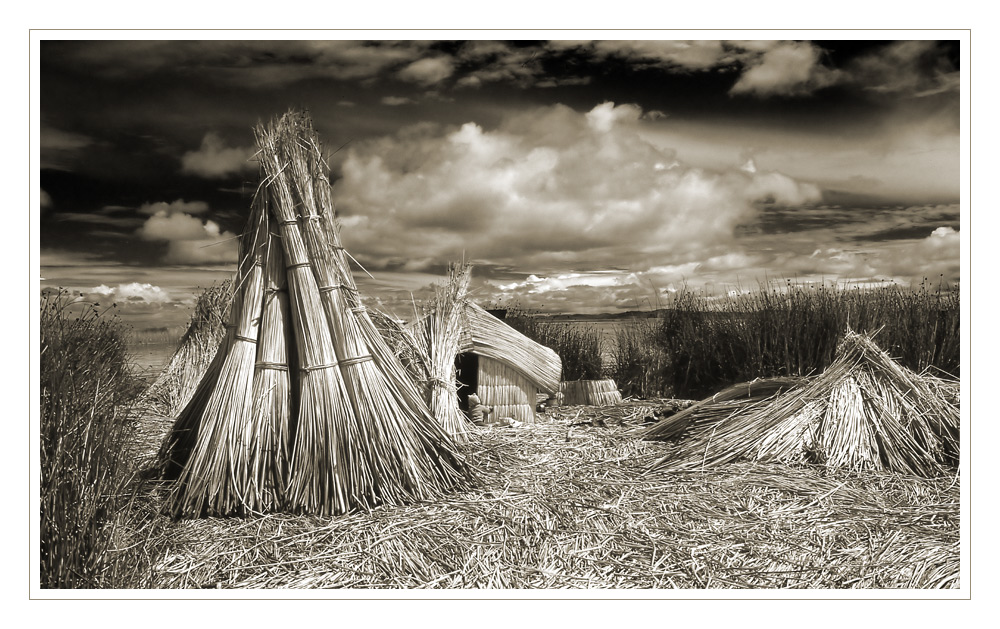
(699, 343)
(86, 383)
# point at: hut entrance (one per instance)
(467, 374)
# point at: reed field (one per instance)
(698, 344)
(87, 461)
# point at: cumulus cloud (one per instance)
(44, 199)
(550, 187)
(190, 240)
(133, 292)
(428, 71)
(215, 160)
(789, 69)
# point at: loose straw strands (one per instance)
(864, 412)
(579, 513)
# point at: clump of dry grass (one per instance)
(564, 504)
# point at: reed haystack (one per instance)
(308, 411)
(177, 381)
(865, 412)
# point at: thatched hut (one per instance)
(506, 368)
(470, 350)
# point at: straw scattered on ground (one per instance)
(565, 504)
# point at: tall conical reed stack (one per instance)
(322, 474)
(395, 454)
(442, 331)
(215, 480)
(270, 428)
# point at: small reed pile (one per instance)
(305, 408)
(179, 379)
(590, 392)
(441, 330)
(865, 412)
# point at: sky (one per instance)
(583, 176)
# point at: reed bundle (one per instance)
(214, 478)
(442, 331)
(590, 392)
(865, 412)
(270, 429)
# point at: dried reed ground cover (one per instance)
(565, 504)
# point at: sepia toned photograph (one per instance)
(501, 316)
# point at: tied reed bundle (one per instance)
(721, 405)
(865, 412)
(442, 330)
(270, 429)
(319, 477)
(215, 479)
(386, 451)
